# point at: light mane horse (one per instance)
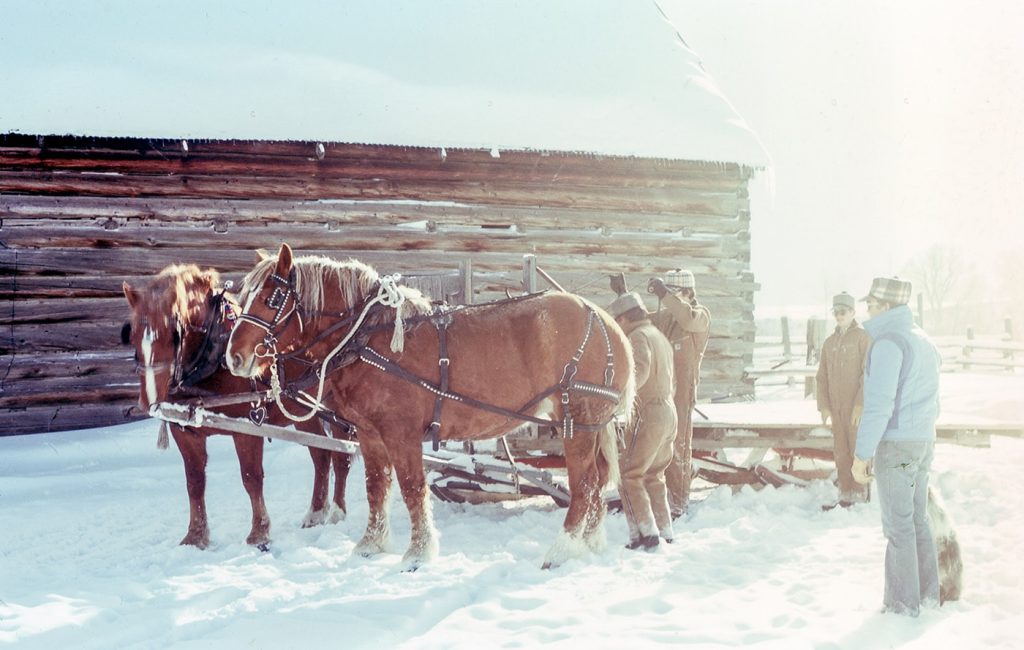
(518, 356)
(172, 320)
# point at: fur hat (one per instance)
(843, 300)
(891, 290)
(680, 278)
(626, 302)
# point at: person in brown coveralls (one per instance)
(687, 324)
(647, 448)
(840, 390)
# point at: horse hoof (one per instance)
(264, 547)
(337, 516)
(314, 518)
(546, 566)
(367, 552)
(199, 542)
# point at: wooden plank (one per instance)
(70, 390)
(56, 337)
(60, 310)
(267, 187)
(720, 294)
(28, 287)
(20, 148)
(65, 417)
(133, 261)
(540, 171)
(117, 211)
(173, 413)
(457, 240)
(106, 363)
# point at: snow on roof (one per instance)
(608, 77)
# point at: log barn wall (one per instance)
(78, 216)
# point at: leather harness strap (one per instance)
(441, 321)
(567, 385)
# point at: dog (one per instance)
(951, 567)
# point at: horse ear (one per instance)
(284, 260)
(131, 294)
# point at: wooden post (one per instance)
(1008, 329)
(787, 348)
(530, 273)
(967, 348)
(466, 271)
(816, 334)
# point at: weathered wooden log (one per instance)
(14, 147)
(132, 261)
(458, 241)
(115, 211)
(542, 173)
(268, 187)
(63, 417)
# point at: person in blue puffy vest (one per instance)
(897, 436)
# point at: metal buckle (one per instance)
(444, 361)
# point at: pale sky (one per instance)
(891, 125)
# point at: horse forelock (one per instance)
(191, 291)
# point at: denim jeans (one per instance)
(911, 563)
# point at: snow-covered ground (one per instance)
(90, 522)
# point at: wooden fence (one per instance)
(781, 360)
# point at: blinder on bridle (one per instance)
(279, 300)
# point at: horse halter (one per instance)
(284, 300)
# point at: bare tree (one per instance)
(936, 273)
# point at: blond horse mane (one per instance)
(191, 287)
(355, 280)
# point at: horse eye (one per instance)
(126, 334)
(177, 338)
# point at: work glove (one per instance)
(618, 283)
(825, 415)
(657, 287)
(857, 412)
(861, 472)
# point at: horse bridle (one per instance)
(279, 300)
(207, 355)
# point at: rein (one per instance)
(567, 384)
(388, 295)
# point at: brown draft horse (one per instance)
(502, 359)
(173, 319)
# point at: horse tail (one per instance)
(625, 411)
(608, 454)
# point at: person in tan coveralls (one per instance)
(687, 324)
(840, 382)
(647, 448)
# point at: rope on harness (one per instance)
(388, 295)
